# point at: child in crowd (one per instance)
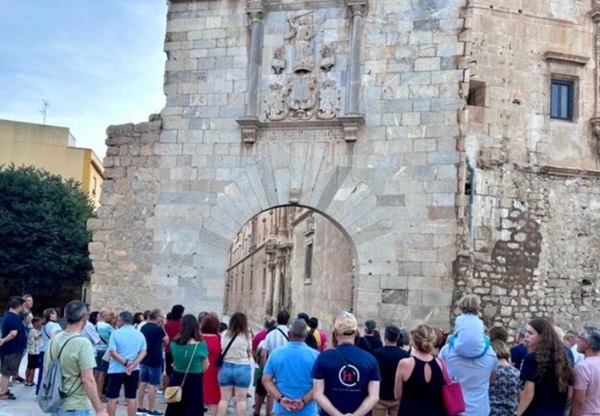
(34, 343)
(469, 339)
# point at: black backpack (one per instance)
(311, 340)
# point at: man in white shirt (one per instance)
(278, 336)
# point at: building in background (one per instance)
(289, 258)
(51, 148)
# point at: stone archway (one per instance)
(366, 132)
(290, 258)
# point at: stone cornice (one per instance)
(569, 172)
(566, 57)
(350, 125)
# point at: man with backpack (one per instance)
(68, 386)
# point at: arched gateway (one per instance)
(347, 107)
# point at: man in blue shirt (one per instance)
(127, 347)
(291, 367)
(346, 378)
(12, 345)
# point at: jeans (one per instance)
(62, 412)
(237, 375)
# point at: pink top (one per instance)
(324, 340)
(587, 377)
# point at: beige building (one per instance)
(51, 148)
(289, 258)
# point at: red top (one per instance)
(172, 329)
(257, 339)
(210, 385)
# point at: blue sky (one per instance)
(97, 63)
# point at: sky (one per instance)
(96, 63)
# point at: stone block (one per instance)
(394, 282)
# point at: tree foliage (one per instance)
(43, 235)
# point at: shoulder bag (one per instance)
(174, 394)
(219, 362)
(452, 394)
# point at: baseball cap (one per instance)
(345, 323)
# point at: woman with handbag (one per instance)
(420, 378)
(235, 374)
(184, 394)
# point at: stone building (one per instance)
(453, 142)
(289, 258)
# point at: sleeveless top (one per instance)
(422, 397)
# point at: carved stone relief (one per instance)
(304, 96)
(278, 63)
(329, 101)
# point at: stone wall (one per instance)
(528, 243)
(122, 248)
(331, 284)
(371, 140)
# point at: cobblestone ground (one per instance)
(25, 405)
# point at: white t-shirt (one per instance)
(47, 331)
(577, 356)
(277, 337)
(238, 352)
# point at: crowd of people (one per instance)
(200, 364)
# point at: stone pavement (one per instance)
(26, 405)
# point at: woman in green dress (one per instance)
(189, 356)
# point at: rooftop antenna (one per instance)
(44, 109)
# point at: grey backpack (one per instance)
(51, 391)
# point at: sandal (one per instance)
(7, 396)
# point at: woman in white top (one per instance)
(235, 374)
(49, 330)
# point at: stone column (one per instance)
(269, 288)
(595, 121)
(254, 61)
(277, 288)
(358, 9)
(249, 123)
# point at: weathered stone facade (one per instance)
(536, 179)
(359, 111)
(369, 139)
(289, 258)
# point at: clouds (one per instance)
(96, 63)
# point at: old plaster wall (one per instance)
(392, 191)
(537, 196)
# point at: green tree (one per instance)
(43, 235)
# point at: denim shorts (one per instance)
(151, 375)
(101, 365)
(237, 375)
(61, 412)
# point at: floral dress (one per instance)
(504, 393)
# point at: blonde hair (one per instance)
(469, 304)
(424, 338)
(501, 349)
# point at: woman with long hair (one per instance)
(235, 375)
(209, 327)
(546, 371)
(49, 330)
(419, 379)
(189, 354)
